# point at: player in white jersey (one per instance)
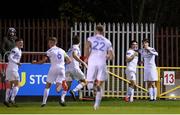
(73, 71)
(150, 70)
(131, 59)
(12, 75)
(56, 73)
(98, 50)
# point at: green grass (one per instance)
(113, 106)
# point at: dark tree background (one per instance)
(161, 12)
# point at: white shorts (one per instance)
(12, 75)
(56, 75)
(97, 72)
(131, 75)
(74, 74)
(150, 74)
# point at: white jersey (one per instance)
(131, 66)
(74, 63)
(149, 57)
(99, 47)
(14, 58)
(57, 57)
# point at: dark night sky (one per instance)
(29, 8)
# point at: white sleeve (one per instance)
(12, 56)
(48, 53)
(128, 53)
(153, 51)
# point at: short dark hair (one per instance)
(145, 40)
(18, 39)
(76, 39)
(99, 28)
(132, 41)
(54, 39)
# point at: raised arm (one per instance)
(152, 51)
(43, 60)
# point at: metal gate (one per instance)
(120, 34)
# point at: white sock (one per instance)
(132, 95)
(151, 93)
(102, 92)
(129, 91)
(46, 93)
(63, 96)
(14, 93)
(154, 93)
(78, 87)
(7, 94)
(98, 98)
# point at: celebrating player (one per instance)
(98, 50)
(56, 73)
(12, 75)
(131, 59)
(150, 71)
(73, 70)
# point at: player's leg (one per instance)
(150, 90)
(147, 76)
(64, 92)
(61, 79)
(7, 95)
(101, 77)
(130, 91)
(152, 86)
(78, 75)
(154, 78)
(15, 90)
(99, 94)
(91, 72)
(154, 90)
(46, 93)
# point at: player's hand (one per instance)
(141, 63)
(86, 60)
(19, 64)
(136, 54)
(85, 64)
(108, 57)
(34, 62)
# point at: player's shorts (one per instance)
(12, 75)
(74, 74)
(97, 72)
(150, 74)
(56, 75)
(131, 75)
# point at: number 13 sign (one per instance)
(169, 78)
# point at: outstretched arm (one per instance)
(43, 60)
(76, 57)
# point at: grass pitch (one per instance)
(108, 106)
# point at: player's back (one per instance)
(74, 63)
(99, 47)
(56, 56)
